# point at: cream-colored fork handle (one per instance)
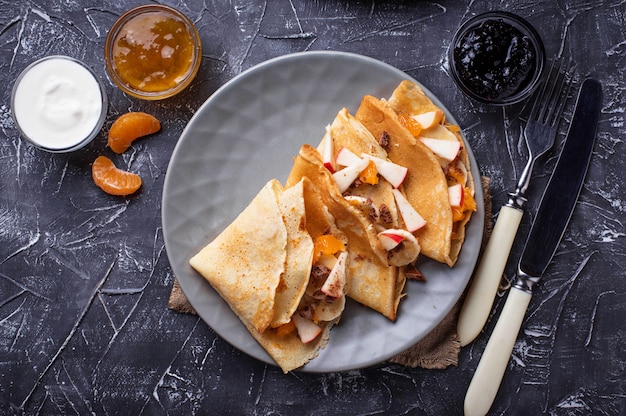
(482, 291)
(488, 376)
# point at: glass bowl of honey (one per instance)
(152, 52)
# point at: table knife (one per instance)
(555, 210)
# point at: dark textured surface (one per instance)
(84, 277)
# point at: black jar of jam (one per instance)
(496, 58)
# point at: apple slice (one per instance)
(307, 329)
(413, 221)
(345, 157)
(404, 254)
(439, 131)
(336, 280)
(429, 119)
(389, 239)
(455, 192)
(445, 149)
(392, 172)
(347, 175)
(327, 153)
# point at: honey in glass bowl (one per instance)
(153, 52)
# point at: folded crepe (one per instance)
(411, 101)
(246, 261)
(372, 193)
(299, 255)
(261, 265)
(397, 123)
(346, 132)
(371, 280)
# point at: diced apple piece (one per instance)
(429, 119)
(389, 240)
(347, 175)
(439, 131)
(413, 221)
(407, 253)
(327, 154)
(455, 192)
(445, 149)
(307, 329)
(392, 172)
(346, 157)
(336, 280)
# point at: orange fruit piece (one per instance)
(469, 204)
(129, 127)
(286, 329)
(112, 180)
(326, 244)
(413, 126)
(369, 174)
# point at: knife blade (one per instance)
(554, 212)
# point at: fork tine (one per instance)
(541, 97)
(555, 91)
(565, 87)
(555, 88)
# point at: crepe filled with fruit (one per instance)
(282, 275)
(368, 180)
(439, 183)
(363, 191)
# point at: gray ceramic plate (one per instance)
(248, 132)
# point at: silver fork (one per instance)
(539, 133)
(542, 125)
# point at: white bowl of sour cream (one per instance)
(58, 104)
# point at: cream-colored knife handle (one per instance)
(482, 291)
(486, 381)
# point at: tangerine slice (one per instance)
(326, 244)
(286, 329)
(413, 126)
(369, 174)
(469, 204)
(129, 127)
(112, 180)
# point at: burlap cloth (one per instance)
(437, 350)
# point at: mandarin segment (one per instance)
(326, 244)
(112, 180)
(129, 127)
(413, 126)
(369, 174)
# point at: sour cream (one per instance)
(58, 104)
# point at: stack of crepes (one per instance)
(382, 186)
